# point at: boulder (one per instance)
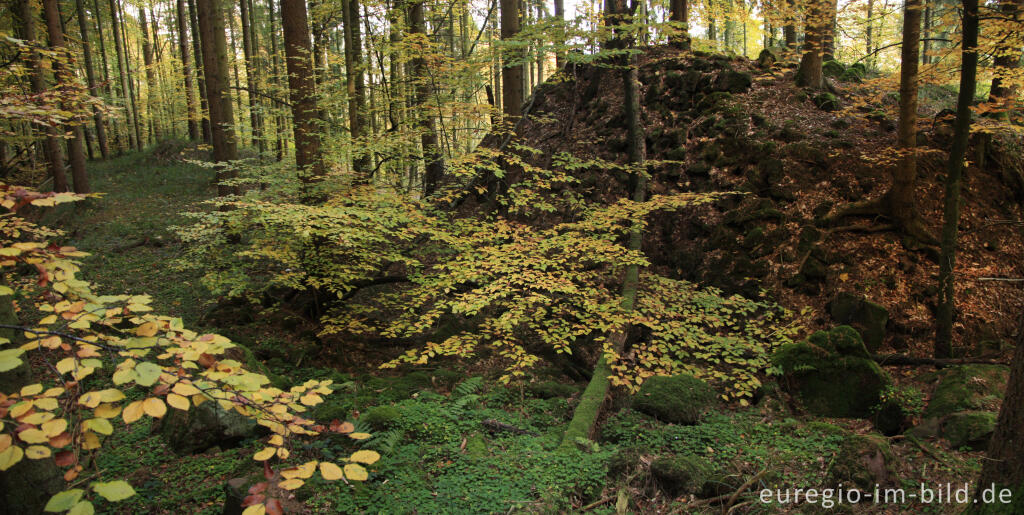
(868, 318)
(826, 101)
(733, 81)
(679, 399)
(205, 426)
(832, 68)
(970, 429)
(679, 475)
(863, 461)
(770, 56)
(831, 374)
(964, 405)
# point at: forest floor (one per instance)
(438, 457)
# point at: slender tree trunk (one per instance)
(232, 59)
(432, 158)
(122, 71)
(52, 150)
(147, 58)
(197, 51)
(512, 92)
(90, 74)
(560, 19)
(354, 80)
(901, 197)
(829, 43)
(250, 72)
(951, 209)
(809, 75)
(215, 69)
(789, 29)
(1008, 54)
(279, 143)
(871, 23)
(1004, 468)
(258, 69)
(679, 13)
(186, 71)
(593, 397)
(107, 84)
(132, 98)
(926, 33)
(302, 90)
(65, 80)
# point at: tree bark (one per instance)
(52, 150)
(954, 170)
(679, 13)
(302, 90)
(560, 19)
(432, 158)
(197, 52)
(279, 146)
(215, 69)
(90, 74)
(1008, 54)
(354, 80)
(65, 80)
(147, 58)
(250, 76)
(186, 71)
(809, 75)
(512, 92)
(130, 98)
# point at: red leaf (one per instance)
(64, 458)
(274, 507)
(253, 499)
(267, 472)
(258, 488)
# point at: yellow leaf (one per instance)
(47, 320)
(5, 442)
(364, 456)
(111, 395)
(277, 440)
(37, 418)
(330, 471)
(107, 411)
(10, 457)
(31, 390)
(255, 509)
(132, 412)
(283, 453)
(359, 436)
(33, 436)
(37, 452)
(304, 471)
(90, 399)
(46, 403)
(356, 472)
(54, 427)
(185, 389)
(154, 407)
(20, 409)
(291, 484)
(265, 454)
(311, 399)
(90, 441)
(178, 402)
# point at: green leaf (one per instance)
(114, 491)
(64, 501)
(82, 508)
(100, 425)
(9, 359)
(147, 373)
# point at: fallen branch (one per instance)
(1002, 279)
(901, 360)
(597, 503)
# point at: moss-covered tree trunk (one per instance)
(954, 171)
(679, 13)
(593, 397)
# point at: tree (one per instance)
(355, 83)
(1008, 54)
(197, 52)
(215, 70)
(66, 80)
(512, 92)
(122, 67)
(809, 75)
(51, 144)
(432, 158)
(249, 50)
(1004, 467)
(954, 171)
(679, 14)
(302, 90)
(151, 101)
(90, 74)
(186, 71)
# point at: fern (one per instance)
(469, 386)
(387, 441)
(466, 400)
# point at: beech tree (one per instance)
(301, 90)
(186, 71)
(65, 78)
(512, 92)
(215, 71)
(90, 74)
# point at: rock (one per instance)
(968, 388)
(831, 375)
(863, 461)
(753, 238)
(678, 399)
(826, 101)
(855, 73)
(805, 152)
(770, 56)
(832, 68)
(381, 417)
(733, 81)
(551, 389)
(699, 169)
(970, 429)
(713, 102)
(868, 318)
(679, 475)
(205, 426)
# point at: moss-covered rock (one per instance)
(970, 429)
(832, 68)
(678, 399)
(552, 389)
(805, 152)
(205, 426)
(733, 81)
(863, 461)
(830, 374)
(968, 388)
(679, 475)
(826, 101)
(868, 318)
(770, 56)
(381, 417)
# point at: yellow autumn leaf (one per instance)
(31, 389)
(132, 412)
(255, 509)
(33, 436)
(265, 454)
(356, 472)
(364, 456)
(304, 471)
(330, 471)
(107, 411)
(185, 389)
(276, 440)
(291, 484)
(146, 330)
(359, 436)
(178, 402)
(90, 441)
(5, 442)
(10, 457)
(46, 403)
(37, 452)
(154, 407)
(54, 427)
(283, 453)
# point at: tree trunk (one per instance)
(279, 145)
(829, 36)
(250, 76)
(809, 75)
(107, 87)
(302, 90)
(512, 92)
(186, 71)
(870, 22)
(901, 198)
(197, 51)
(1008, 54)
(560, 19)
(926, 33)
(130, 99)
(432, 158)
(90, 74)
(147, 58)
(593, 397)
(215, 69)
(65, 80)
(232, 35)
(1004, 468)
(679, 14)
(354, 81)
(951, 208)
(52, 149)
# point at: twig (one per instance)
(901, 360)
(595, 504)
(1002, 279)
(741, 489)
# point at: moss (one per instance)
(868, 318)
(552, 389)
(678, 399)
(476, 447)
(864, 461)
(679, 475)
(447, 379)
(713, 102)
(970, 429)
(840, 340)
(381, 417)
(806, 152)
(832, 68)
(968, 387)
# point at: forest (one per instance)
(511, 256)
